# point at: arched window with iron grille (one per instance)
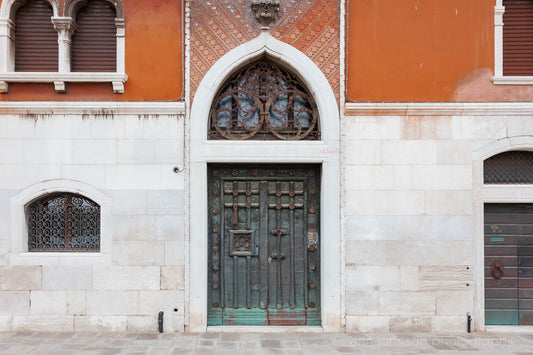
(63, 222)
(264, 101)
(513, 167)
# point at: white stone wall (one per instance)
(128, 158)
(411, 214)
(408, 218)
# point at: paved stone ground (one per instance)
(269, 343)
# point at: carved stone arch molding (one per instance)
(203, 151)
(72, 6)
(10, 7)
(266, 46)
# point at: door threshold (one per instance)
(509, 328)
(264, 329)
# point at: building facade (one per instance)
(325, 165)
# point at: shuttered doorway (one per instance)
(264, 248)
(509, 264)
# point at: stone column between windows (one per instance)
(7, 49)
(118, 86)
(65, 27)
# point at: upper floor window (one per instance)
(36, 46)
(63, 222)
(94, 43)
(518, 38)
(264, 101)
(513, 42)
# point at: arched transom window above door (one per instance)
(264, 101)
(512, 167)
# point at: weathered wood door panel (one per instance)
(264, 258)
(509, 264)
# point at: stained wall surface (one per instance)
(129, 160)
(411, 50)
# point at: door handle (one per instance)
(496, 268)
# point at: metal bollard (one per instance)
(160, 321)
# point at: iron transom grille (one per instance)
(264, 101)
(63, 222)
(515, 167)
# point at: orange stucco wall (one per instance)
(424, 50)
(153, 59)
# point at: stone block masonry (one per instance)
(129, 161)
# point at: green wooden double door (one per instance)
(264, 245)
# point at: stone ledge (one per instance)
(439, 109)
(59, 79)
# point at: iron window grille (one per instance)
(63, 222)
(514, 167)
(264, 101)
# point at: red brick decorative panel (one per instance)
(311, 26)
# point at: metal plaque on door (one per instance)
(264, 245)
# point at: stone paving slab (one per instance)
(264, 343)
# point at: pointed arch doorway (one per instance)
(320, 154)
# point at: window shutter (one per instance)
(94, 44)
(518, 38)
(36, 46)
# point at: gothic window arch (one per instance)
(264, 101)
(94, 45)
(63, 222)
(97, 36)
(36, 46)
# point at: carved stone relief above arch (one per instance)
(265, 11)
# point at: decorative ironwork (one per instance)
(63, 222)
(515, 167)
(242, 242)
(264, 101)
(265, 11)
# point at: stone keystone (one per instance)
(265, 11)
